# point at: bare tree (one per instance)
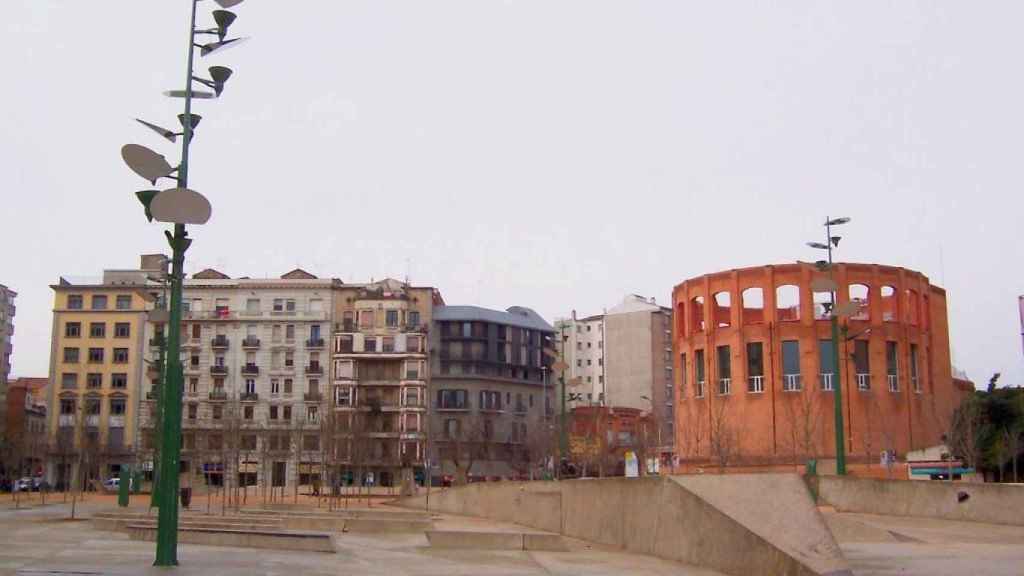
(692, 433)
(723, 440)
(803, 415)
(965, 432)
(463, 442)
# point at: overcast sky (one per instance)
(552, 154)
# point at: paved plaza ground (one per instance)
(42, 540)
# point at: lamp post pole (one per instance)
(837, 389)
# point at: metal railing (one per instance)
(724, 386)
(218, 394)
(248, 396)
(250, 342)
(755, 384)
(314, 369)
(826, 381)
(916, 383)
(315, 343)
(791, 383)
(220, 342)
(250, 370)
(863, 381)
(312, 397)
(894, 382)
(700, 389)
(216, 370)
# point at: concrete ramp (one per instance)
(477, 540)
(736, 524)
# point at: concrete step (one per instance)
(251, 538)
(496, 540)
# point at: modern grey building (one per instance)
(6, 343)
(490, 385)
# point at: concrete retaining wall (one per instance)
(308, 541)
(993, 503)
(664, 517)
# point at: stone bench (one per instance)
(244, 538)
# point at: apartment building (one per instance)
(581, 345)
(492, 392)
(255, 361)
(7, 311)
(96, 367)
(378, 420)
(623, 359)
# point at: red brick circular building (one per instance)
(754, 374)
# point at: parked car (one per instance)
(23, 485)
(113, 484)
(39, 483)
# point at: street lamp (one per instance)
(834, 313)
(178, 206)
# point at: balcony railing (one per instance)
(67, 420)
(314, 369)
(452, 407)
(725, 386)
(312, 397)
(218, 394)
(826, 382)
(894, 382)
(157, 341)
(700, 389)
(220, 343)
(791, 383)
(250, 342)
(116, 422)
(92, 420)
(755, 384)
(864, 381)
(249, 396)
(250, 370)
(315, 343)
(218, 370)
(916, 383)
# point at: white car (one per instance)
(23, 485)
(112, 484)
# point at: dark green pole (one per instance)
(170, 455)
(122, 487)
(563, 440)
(837, 389)
(161, 366)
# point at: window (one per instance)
(892, 366)
(312, 413)
(120, 355)
(414, 318)
(275, 386)
(218, 383)
(71, 355)
(388, 344)
(915, 382)
(93, 380)
(316, 305)
(412, 344)
(753, 305)
(862, 364)
(589, 362)
(370, 345)
(249, 442)
(310, 442)
(97, 330)
(252, 306)
(99, 302)
(286, 413)
(193, 385)
(72, 330)
(287, 386)
(859, 295)
(755, 367)
(74, 302)
(119, 380)
(391, 318)
(289, 332)
(248, 412)
(193, 411)
(218, 411)
(723, 309)
(273, 412)
(366, 318)
(697, 313)
(451, 428)
(682, 375)
(724, 370)
(67, 407)
(124, 302)
(791, 366)
(197, 331)
(122, 330)
(826, 361)
(343, 396)
(215, 442)
(787, 303)
(289, 305)
(888, 304)
(579, 363)
(193, 360)
(411, 396)
(250, 386)
(699, 368)
(278, 304)
(96, 355)
(452, 399)
(412, 370)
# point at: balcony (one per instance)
(220, 343)
(863, 381)
(315, 369)
(218, 394)
(791, 383)
(158, 341)
(248, 397)
(92, 421)
(66, 420)
(250, 343)
(218, 370)
(452, 408)
(755, 384)
(315, 343)
(116, 422)
(312, 397)
(250, 370)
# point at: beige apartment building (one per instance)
(96, 367)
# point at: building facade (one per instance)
(754, 371)
(26, 423)
(96, 368)
(378, 425)
(580, 343)
(493, 399)
(7, 310)
(255, 355)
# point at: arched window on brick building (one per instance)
(861, 295)
(787, 303)
(723, 309)
(753, 305)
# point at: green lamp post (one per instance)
(834, 312)
(178, 206)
